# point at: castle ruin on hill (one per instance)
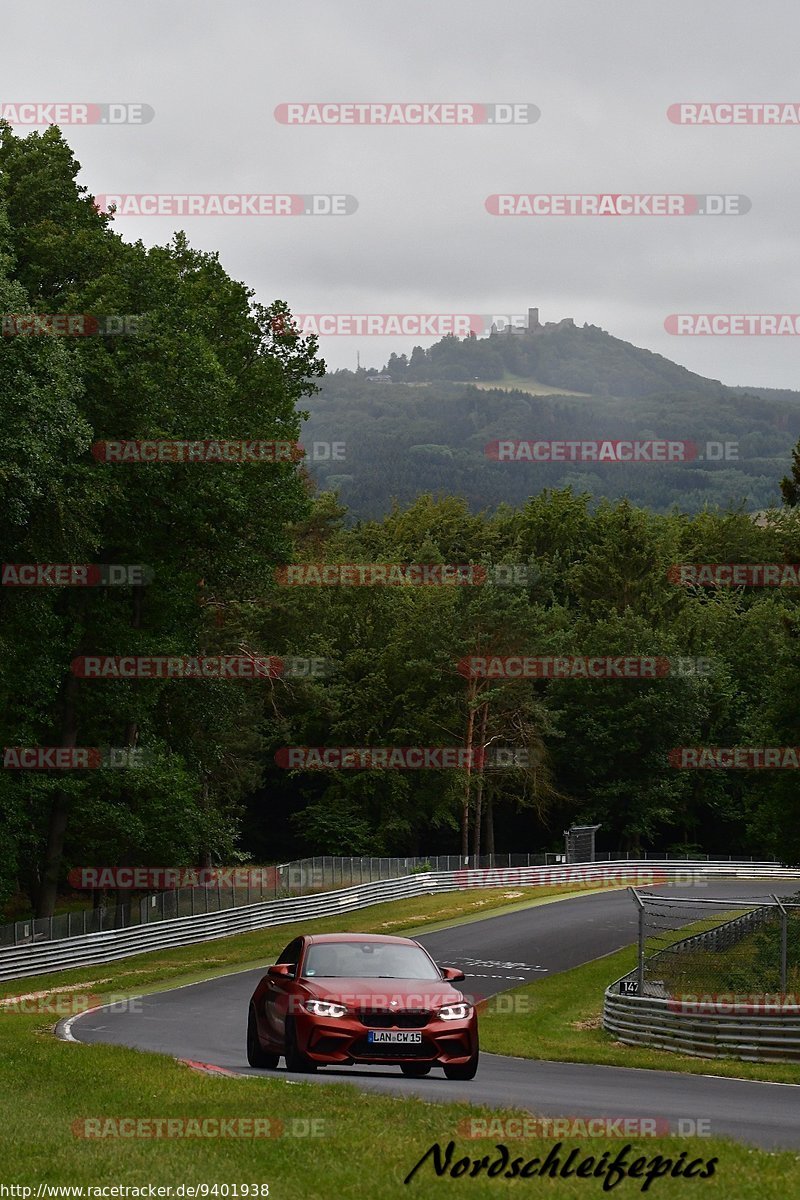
(534, 326)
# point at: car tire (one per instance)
(415, 1070)
(257, 1056)
(463, 1071)
(295, 1059)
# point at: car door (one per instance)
(279, 992)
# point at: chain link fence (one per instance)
(302, 877)
(690, 948)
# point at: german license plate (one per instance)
(394, 1037)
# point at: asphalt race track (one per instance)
(205, 1022)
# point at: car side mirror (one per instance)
(452, 974)
(281, 971)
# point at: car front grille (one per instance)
(379, 1018)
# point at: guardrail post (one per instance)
(640, 967)
(784, 942)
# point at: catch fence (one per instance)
(301, 877)
(714, 977)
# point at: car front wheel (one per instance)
(256, 1055)
(465, 1070)
(295, 1059)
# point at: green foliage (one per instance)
(569, 570)
(402, 440)
(208, 363)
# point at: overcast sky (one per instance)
(603, 75)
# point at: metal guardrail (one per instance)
(300, 877)
(654, 1021)
(706, 1027)
(19, 962)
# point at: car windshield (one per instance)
(368, 960)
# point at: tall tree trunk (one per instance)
(490, 826)
(60, 806)
(205, 852)
(59, 813)
(465, 803)
(476, 837)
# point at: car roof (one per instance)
(321, 938)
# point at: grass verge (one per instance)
(559, 1019)
(520, 383)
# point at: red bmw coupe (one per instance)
(339, 999)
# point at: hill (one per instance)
(560, 355)
(424, 424)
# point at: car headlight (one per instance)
(325, 1008)
(455, 1012)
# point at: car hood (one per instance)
(391, 994)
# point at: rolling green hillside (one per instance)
(428, 429)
